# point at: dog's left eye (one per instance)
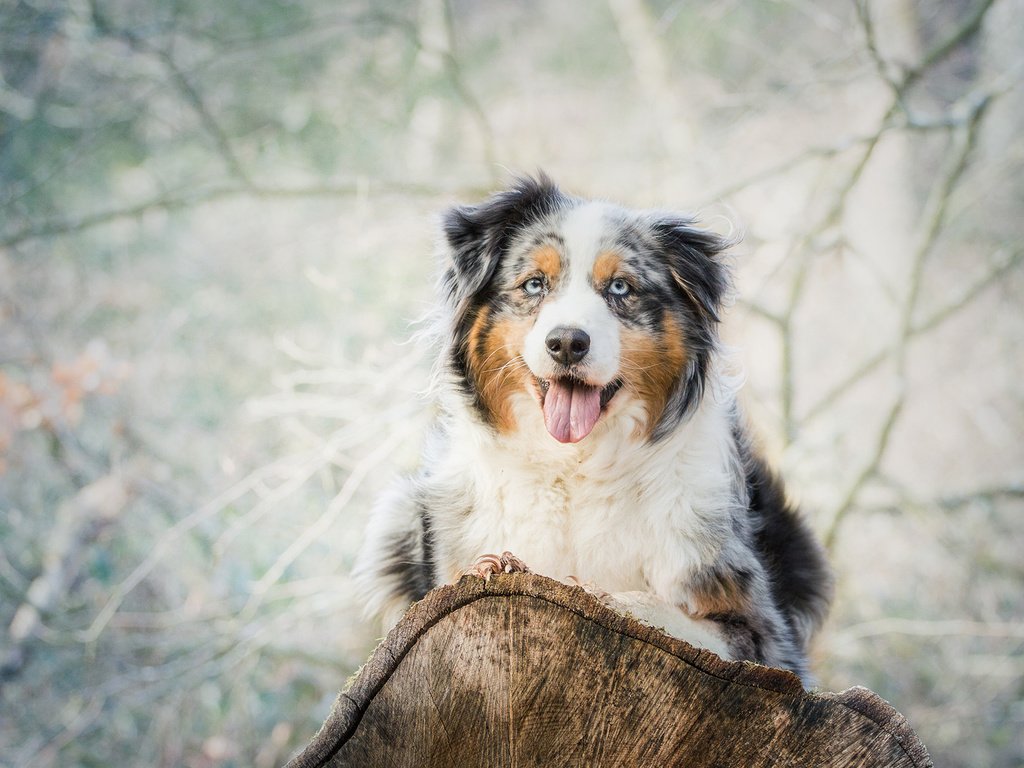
(534, 286)
(619, 287)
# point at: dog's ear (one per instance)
(693, 257)
(478, 235)
(470, 233)
(694, 260)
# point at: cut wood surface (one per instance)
(523, 670)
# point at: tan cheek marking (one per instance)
(547, 260)
(606, 266)
(497, 366)
(651, 366)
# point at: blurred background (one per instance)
(217, 221)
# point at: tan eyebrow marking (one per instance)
(547, 260)
(606, 266)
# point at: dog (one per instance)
(589, 425)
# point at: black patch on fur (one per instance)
(427, 544)
(411, 559)
(405, 563)
(744, 640)
(798, 571)
(692, 255)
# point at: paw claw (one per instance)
(488, 565)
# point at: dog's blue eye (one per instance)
(619, 287)
(534, 286)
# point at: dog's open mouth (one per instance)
(572, 407)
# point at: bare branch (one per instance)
(951, 502)
(184, 86)
(170, 202)
(783, 167)
(867, 473)
(79, 521)
(1011, 630)
(969, 28)
(932, 221)
(831, 217)
(884, 67)
(212, 126)
(763, 312)
(990, 494)
(327, 519)
(933, 321)
(164, 546)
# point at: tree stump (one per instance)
(523, 670)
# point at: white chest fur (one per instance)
(612, 510)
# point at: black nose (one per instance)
(567, 345)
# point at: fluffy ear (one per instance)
(478, 235)
(694, 260)
(692, 256)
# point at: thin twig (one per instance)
(970, 26)
(783, 167)
(932, 220)
(882, 66)
(763, 312)
(210, 123)
(165, 202)
(930, 628)
(868, 472)
(990, 494)
(165, 544)
(933, 321)
(831, 218)
(326, 520)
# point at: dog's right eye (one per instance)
(534, 286)
(619, 288)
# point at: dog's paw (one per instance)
(488, 565)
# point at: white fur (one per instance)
(613, 510)
(575, 303)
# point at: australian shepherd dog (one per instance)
(589, 425)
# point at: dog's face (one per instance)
(582, 307)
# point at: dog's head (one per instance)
(581, 307)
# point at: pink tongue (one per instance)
(571, 410)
